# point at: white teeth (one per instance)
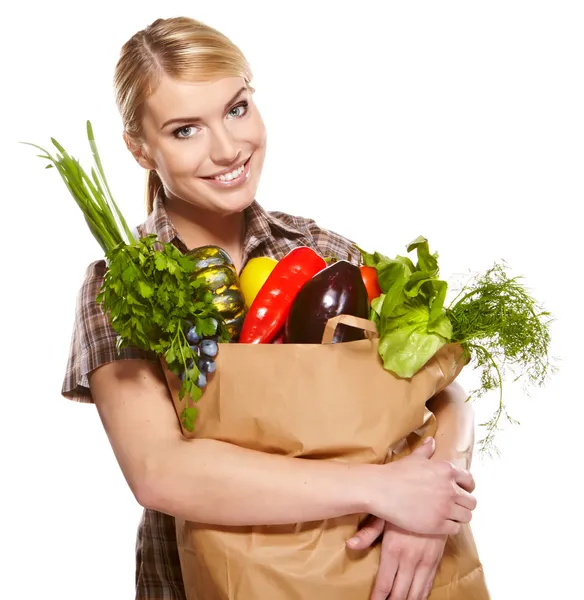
(230, 176)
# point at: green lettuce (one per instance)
(409, 314)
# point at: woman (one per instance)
(184, 94)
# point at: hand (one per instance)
(408, 561)
(423, 496)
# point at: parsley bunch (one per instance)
(149, 292)
(152, 300)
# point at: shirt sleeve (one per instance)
(93, 341)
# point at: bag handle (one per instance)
(365, 324)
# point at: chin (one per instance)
(231, 204)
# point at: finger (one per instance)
(465, 499)
(420, 582)
(471, 487)
(464, 479)
(367, 535)
(402, 582)
(425, 449)
(467, 484)
(385, 576)
(430, 582)
(460, 514)
(450, 528)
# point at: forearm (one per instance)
(455, 426)
(210, 481)
(213, 482)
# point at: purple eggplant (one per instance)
(336, 290)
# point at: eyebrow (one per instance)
(197, 119)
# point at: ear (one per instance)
(136, 148)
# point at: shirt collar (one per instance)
(260, 227)
(159, 223)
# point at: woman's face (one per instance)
(207, 142)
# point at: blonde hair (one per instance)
(181, 48)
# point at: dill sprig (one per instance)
(504, 331)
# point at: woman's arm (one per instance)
(214, 482)
(207, 480)
(455, 426)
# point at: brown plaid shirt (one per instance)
(93, 343)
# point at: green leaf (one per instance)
(186, 263)
(441, 326)
(394, 285)
(426, 261)
(129, 274)
(390, 272)
(188, 418)
(207, 327)
(173, 267)
(405, 350)
(170, 355)
(145, 289)
(161, 261)
(437, 302)
(373, 260)
(377, 304)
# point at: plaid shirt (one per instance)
(93, 343)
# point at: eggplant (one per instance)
(337, 290)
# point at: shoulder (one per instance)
(92, 281)
(93, 341)
(329, 243)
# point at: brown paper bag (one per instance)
(319, 401)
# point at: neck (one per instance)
(201, 228)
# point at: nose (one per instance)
(224, 149)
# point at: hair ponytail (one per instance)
(153, 186)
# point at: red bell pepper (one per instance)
(268, 312)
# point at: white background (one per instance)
(460, 121)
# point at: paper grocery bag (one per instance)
(319, 401)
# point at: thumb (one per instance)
(426, 449)
(367, 535)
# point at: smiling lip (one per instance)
(235, 181)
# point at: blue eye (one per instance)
(184, 133)
(188, 131)
(239, 110)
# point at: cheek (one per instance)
(178, 157)
(256, 131)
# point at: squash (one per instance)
(214, 267)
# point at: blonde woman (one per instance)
(185, 98)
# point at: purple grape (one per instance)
(209, 347)
(201, 381)
(207, 365)
(192, 336)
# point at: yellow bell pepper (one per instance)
(254, 275)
